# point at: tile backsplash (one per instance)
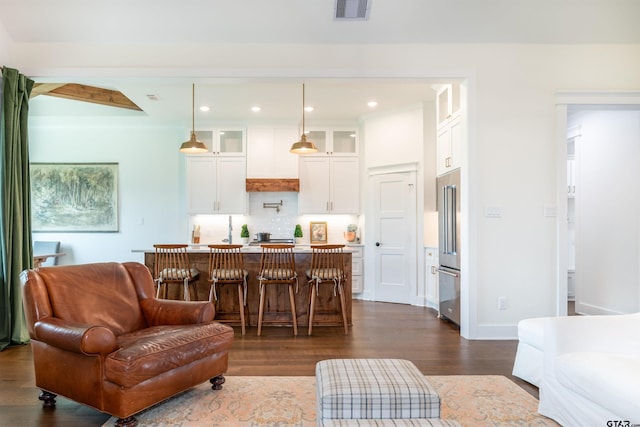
(214, 228)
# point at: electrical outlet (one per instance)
(502, 303)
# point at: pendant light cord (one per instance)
(303, 108)
(193, 108)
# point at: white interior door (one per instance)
(395, 236)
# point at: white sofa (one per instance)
(591, 370)
(530, 356)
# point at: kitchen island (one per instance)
(277, 298)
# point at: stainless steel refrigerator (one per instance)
(449, 245)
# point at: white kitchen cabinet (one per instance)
(357, 268)
(268, 153)
(449, 146)
(334, 141)
(448, 103)
(216, 184)
(223, 141)
(431, 276)
(329, 185)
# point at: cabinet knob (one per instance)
(377, 243)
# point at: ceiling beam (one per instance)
(78, 92)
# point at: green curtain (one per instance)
(15, 206)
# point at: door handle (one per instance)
(377, 243)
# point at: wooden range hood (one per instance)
(255, 185)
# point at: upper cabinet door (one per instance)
(334, 141)
(201, 184)
(268, 153)
(449, 146)
(329, 185)
(315, 188)
(224, 141)
(231, 185)
(345, 186)
(216, 185)
(448, 103)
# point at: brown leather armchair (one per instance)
(100, 337)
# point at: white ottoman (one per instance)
(529, 356)
(373, 389)
(406, 422)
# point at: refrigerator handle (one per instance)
(445, 222)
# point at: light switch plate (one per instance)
(493, 212)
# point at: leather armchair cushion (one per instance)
(147, 353)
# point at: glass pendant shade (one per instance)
(303, 146)
(193, 146)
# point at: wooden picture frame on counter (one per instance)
(318, 232)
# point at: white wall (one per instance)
(149, 185)
(608, 212)
(396, 139)
(5, 42)
(510, 160)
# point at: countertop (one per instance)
(299, 248)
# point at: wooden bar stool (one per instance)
(172, 266)
(327, 267)
(277, 267)
(226, 267)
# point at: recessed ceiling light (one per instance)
(372, 104)
(308, 109)
(204, 108)
(256, 109)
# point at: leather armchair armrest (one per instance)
(75, 337)
(170, 312)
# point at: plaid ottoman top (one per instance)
(374, 388)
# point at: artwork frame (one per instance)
(318, 232)
(74, 197)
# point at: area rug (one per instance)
(472, 400)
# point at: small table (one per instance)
(39, 259)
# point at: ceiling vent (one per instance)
(352, 10)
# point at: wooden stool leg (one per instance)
(241, 306)
(292, 300)
(261, 309)
(342, 305)
(194, 285)
(312, 307)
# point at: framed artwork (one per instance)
(74, 197)
(318, 232)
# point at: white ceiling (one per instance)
(157, 22)
(311, 21)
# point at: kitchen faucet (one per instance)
(229, 238)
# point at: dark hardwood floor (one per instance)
(379, 330)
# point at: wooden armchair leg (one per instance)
(216, 382)
(127, 422)
(48, 399)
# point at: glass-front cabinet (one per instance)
(224, 141)
(334, 142)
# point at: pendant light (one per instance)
(193, 146)
(303, 146)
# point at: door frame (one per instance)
(418, 260)
(563, 100)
